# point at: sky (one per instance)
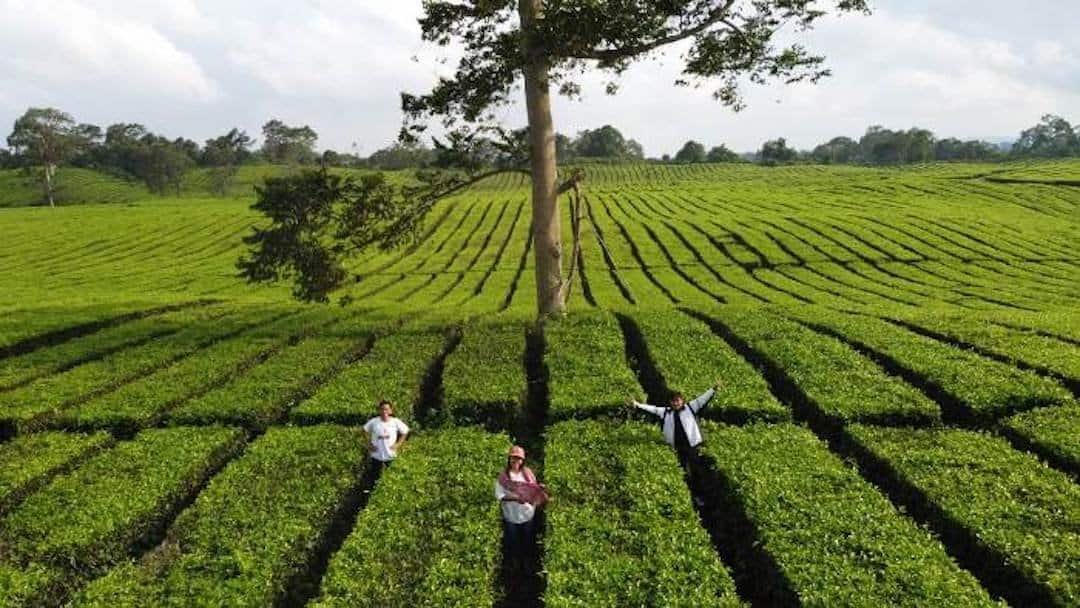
(197, 68)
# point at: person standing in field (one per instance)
(385, 435)
(678, 422)
(520, 495)
(679, 418)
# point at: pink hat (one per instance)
(518, 451)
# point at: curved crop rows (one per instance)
(897, 422)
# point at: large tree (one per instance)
(540, 48)
(546, 44)
(49, 138)
(722, 154)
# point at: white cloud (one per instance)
(354, 54)
(71, 47)
(198, 67)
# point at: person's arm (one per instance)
(403, 434)
(702, 400)
(368, 436)
(502, 495)
(652, 409)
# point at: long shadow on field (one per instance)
(758, 578)
(525, 586)
(59, 336)
(305, 587)
(990, 567)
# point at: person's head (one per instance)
(515, 460)
(677, 401)
(386, 409)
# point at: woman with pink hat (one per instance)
(519, 493)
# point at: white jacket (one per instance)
(687, 416)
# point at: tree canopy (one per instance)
(288, 145)
(1053, 137)
(50, 137)
(691, 152)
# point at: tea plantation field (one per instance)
(898, 423)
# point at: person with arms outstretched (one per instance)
(679, 419)
(678, 422)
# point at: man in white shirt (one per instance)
(680, 428)
(385, 435)
(679, 420)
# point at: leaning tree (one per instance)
(540, 47)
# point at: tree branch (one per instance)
(435, 196)
(611, 55)
(571, 184)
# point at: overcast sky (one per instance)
(195, 68)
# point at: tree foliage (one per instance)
(776, 151)
(722, 154)
(547, 45)
(691, 152)
(50, 138)
(1053, 137)
(283, 144)
(838, 150)
(319, 220)
(882, 146)
(605, 142)
(731, 41)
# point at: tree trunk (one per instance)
(546, 224)
(49, 169)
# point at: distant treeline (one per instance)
(46, 138)
(1053, 137)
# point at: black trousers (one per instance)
(519, 539)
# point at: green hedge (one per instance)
(33, 585)
(621, 530)
(1009, 502)
(45, 361)
(146, 401)
(27, 460)
(689, 358)
(266, 392)
(484, 378)
(87, 520)
(586, 361)
(835, 539)
(1055, 431)
(30, 406)
(1015, 345)
(986, 388)
(393, 369)
(840, 382)
(430, 534)
(253, 531)
(24, 325)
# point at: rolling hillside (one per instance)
(899, 352)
